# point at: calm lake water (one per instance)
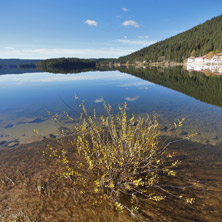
(173, 94)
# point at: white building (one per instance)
(216, 59)
(191, 59)
(213, 64)
(199, 59)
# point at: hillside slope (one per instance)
(197, 41)
(15, 62)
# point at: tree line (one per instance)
(66, 63)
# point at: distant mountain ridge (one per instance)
(196, 41)
(11, 62)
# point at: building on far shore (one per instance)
(215, 59)
(201, 64)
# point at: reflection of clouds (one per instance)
(143, 87)
(50, 78)
(135, 84)
(132, 99)
(79, 77)
(98, 100)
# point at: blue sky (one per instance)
(34, 29)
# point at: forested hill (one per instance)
(197, 41)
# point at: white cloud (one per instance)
(9, 48)
(132, 99)
(131, 23)
(136, 42)
(98, 100)
(143, 37)
(125, 9)
(91, 22)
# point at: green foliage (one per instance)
(27, 66)
(66, 63)
(199, 40)
(72, 65)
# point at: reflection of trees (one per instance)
(64, 70)
(206, 88)
(70, 71)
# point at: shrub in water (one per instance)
(123, 155)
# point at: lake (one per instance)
(173, 94)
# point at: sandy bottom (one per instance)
(31, 188)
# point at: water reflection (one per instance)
(205, 88)
(194, 81)
(207, 69)
(8, 70)
(26, 100)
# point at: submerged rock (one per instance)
(2, 143)
(184, 133)
(52, 136)
(12, 144)
(164, 129)
(37, 120)
(10, 125)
